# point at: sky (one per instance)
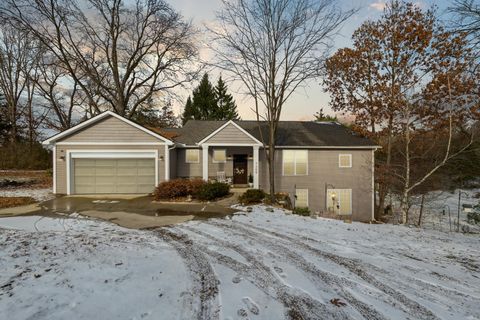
(305, 102)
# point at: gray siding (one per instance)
(230, 134)
(323, 168)
(110, 129)
(61, 165)
(188, 170)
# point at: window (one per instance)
(192, 156)
(339, 201)
(295, 162)
(301, 197)
(219, 156)
(345, 160)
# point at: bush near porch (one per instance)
(196, 188)
(177, 188)
(252, 196)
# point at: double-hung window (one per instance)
(219, 156)
(295, 162)
(192, 156)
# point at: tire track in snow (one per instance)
(321, 278)
(299, 304)
(354, 266)
(205, 282)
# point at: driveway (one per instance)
(259, 265)
(127, 211)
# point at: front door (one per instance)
(240, 166)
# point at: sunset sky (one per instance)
(304, 103)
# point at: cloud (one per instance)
(378, 5)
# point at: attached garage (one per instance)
(109, 176)
(109, 154)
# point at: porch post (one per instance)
(205, 162)
(255, 167)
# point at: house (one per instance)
(323, 166)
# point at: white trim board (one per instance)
(110, 143)
(107, 154)
(99, 117)
(225, 125)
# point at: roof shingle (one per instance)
(289, 133)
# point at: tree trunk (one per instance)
(384, 187)
(271, 163)
(421, 211)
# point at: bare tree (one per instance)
(59, 93)
(118, 53)
(18, 57)
(467, 14)
(274, 47)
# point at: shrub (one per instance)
(302, 211)
(252, 196)
(177, 188)
(473, 217)
(212, 190)
(194, 186)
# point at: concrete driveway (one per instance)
(127, 211)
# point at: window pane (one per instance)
(289, 169)
(288, 162)
(345, 160)
(302, 198)
(192, 155)
(301, 159)
(219, 155)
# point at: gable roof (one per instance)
(99, 117)
(226, 124)
(289, 133)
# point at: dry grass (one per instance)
(38, 179)
(9, 202)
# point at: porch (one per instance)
(231, 163)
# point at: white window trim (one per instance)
(294, 164)
(213, 156)
(307, 196)
(349, 155)
(107, 154)
(198, 156)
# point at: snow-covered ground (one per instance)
(259, 265)
(438, 205)
(37, 194)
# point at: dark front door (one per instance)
(240, 165)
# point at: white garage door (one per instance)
(92, 176)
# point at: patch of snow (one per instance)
(37, 194)
(258, 265)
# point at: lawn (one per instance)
(259, 265)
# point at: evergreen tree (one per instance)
(321, 116)
(4, 124)
(204, 104)
(227, 109)
(209, 103)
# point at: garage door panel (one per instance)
(132, 163)
(85, 180)
(146, 171)
(85, 188)
(79, 163)
(145, 188)
(146, 180)
(107, 188)
(144, 163)
(114, 176)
